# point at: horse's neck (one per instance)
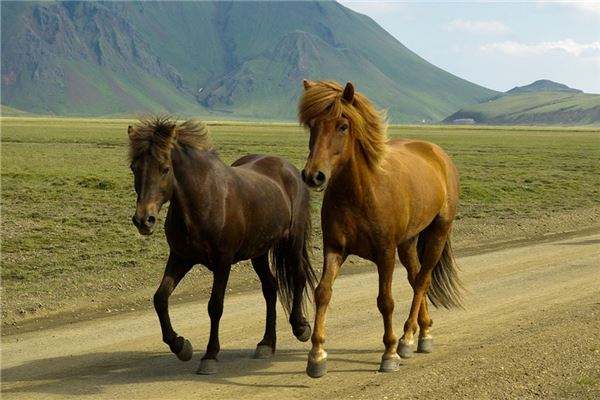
(197, 174)
(353, 182)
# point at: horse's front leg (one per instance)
(390, 361)
(208, 364)
(317, 358)
(174, 272)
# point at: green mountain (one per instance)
(221, 59)
(543, 85)
(534, 108)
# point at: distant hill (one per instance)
(543, 85)
(232, 59)
(534, 108)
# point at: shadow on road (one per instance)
(89, 374)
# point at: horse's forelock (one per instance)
(158, 135)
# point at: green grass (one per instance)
(587, 381)
(67, 198)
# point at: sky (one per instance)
(499, 45)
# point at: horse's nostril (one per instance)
(151, 220)
(135, 221)
(319, 178)
(303, 174)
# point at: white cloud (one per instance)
(481, 27)
(568, 46)
(373, 7)
(585, 6)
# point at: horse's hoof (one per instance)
(425, 345)
(186, 352)
(389, 364)
(405, 350)
(263, 351)
(316, 369)
(305, 334)
(208, 366)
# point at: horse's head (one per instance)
(330, 142)
(342, 124)
(150, 148)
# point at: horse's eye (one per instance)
(343, 128)
(165, 170)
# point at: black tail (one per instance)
(291, 260)
(445, 288)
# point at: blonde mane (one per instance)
(160, 134)
(323, 100)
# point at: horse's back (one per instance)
(421, 148)
(276, 169)
(423, 152)
(264, 164)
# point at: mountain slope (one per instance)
(239, 59)
(535, 108)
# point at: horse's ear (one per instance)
(307, 84)
(348, 94)
(129, 130)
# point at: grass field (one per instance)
(67, 200)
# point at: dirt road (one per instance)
(531, 330)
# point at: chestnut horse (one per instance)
(381, 197)
(219, 215)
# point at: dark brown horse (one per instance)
(219, 215)
(381, 197)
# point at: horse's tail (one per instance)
(445, 289)
(291, 260)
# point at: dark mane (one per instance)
(160, 134)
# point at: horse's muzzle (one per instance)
(315, 181)
(145, 225)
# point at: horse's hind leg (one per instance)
(390, 360)
(208, 364)
(266, 347)
(408, 254)
(434, 241)
(174, 272)
(300, 326)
